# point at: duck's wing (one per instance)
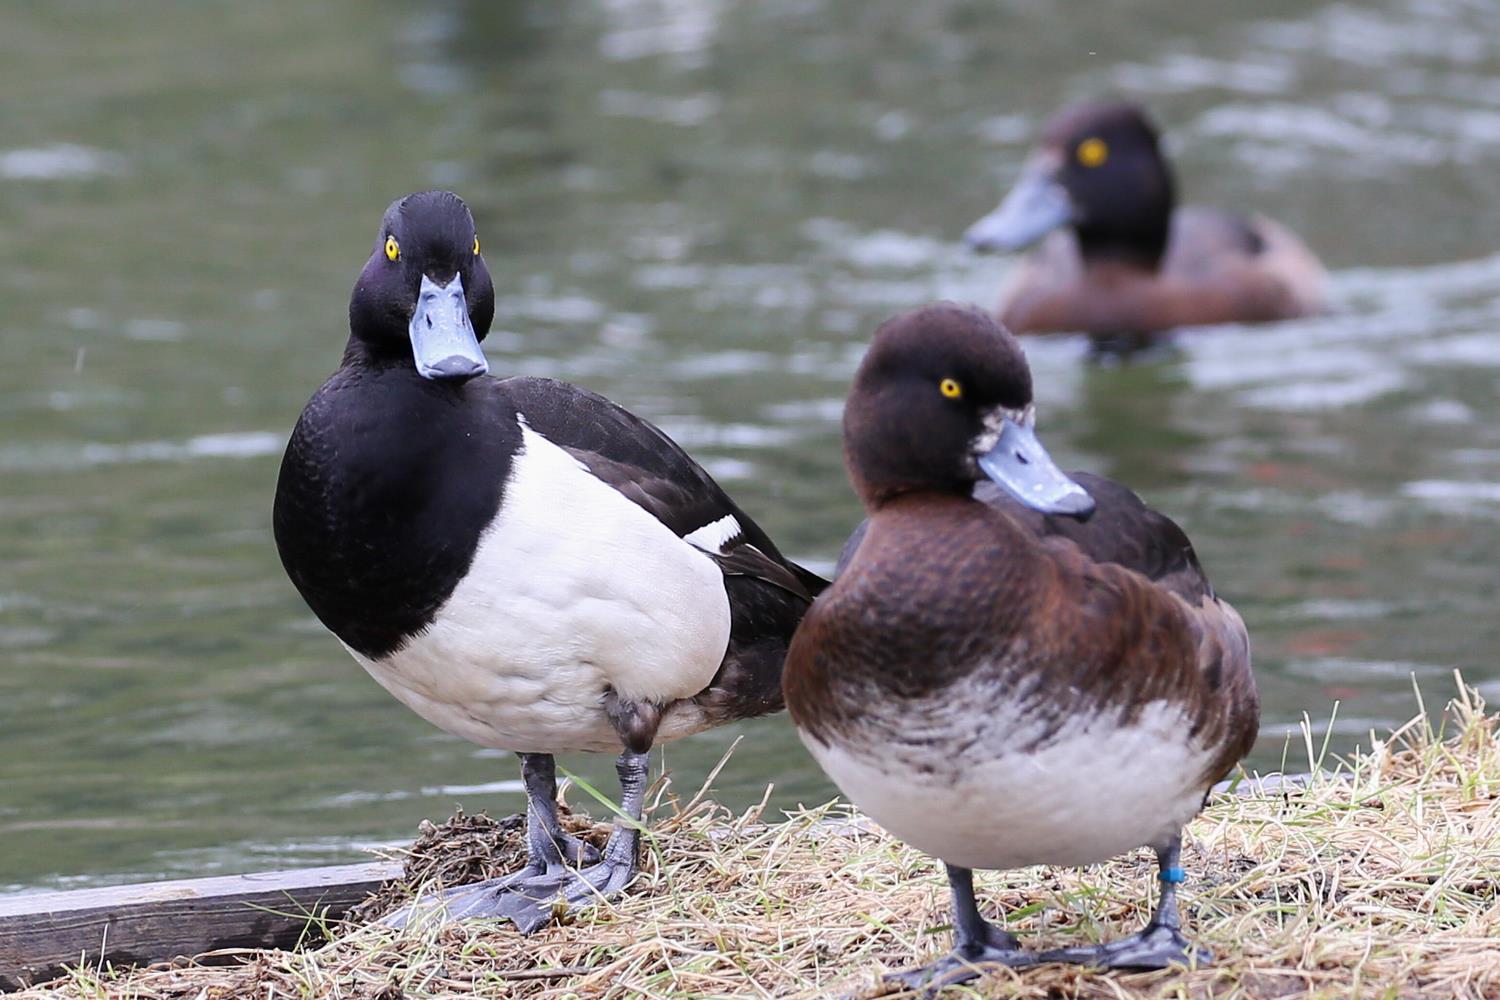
(1176, 637)
(1122, 640)
(1293, 263)
(1258, 266)
(1123, 531)
(651, 470)
(1206, 241)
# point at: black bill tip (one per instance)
(455, 368)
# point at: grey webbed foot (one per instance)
(550, 854)
(575, 853)
(531, 903)
(1159, 944)
(477, 900)
(474, 900)
(1155, 947)
(960, 966)
(976, 942)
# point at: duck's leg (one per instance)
(531, 902)
(548, 849)
(1160, 943)
(546, 843)
(975, 941)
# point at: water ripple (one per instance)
(65, 458)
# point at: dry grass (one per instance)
(1377, 879)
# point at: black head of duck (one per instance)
(425, 296)
(1118, 255)
(1098, 169)
(522, 562)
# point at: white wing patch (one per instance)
(715, 535)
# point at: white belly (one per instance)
(573, 590)
(1099, 789)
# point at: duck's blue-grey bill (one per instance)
(442, 337)
(1035, 206)
(1021, 466)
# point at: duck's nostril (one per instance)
(429, 321)
(1022, 459)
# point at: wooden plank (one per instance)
(139, 924)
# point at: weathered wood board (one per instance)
(138, 924)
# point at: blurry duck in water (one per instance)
(1119, 258)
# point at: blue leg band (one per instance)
(1176, 876)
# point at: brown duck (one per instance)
(1034, 671)
(1119, 258)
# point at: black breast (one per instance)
(386, 486)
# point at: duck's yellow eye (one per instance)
(950, 389)
(392, 249)
(476, 245)
(1093, 152)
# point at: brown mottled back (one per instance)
(1128, 259)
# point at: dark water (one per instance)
(700, 209)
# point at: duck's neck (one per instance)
(1131, 227)
(877, 482)
(363, 354)
(896, 500)
(1142, 246)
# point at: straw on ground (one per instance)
(1378, 878)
